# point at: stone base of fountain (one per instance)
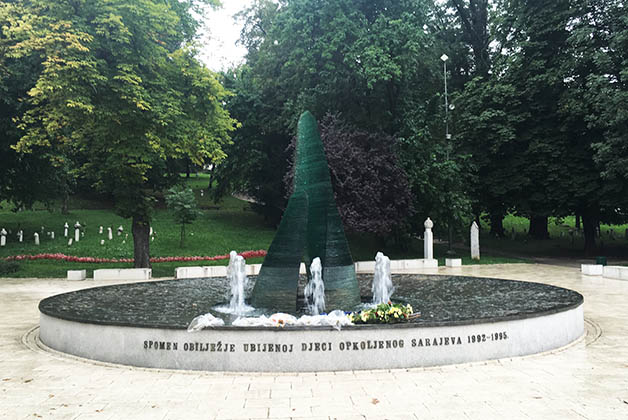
(463, 319)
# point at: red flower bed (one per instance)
(71, 258)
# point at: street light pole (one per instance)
(447, 135)
(447, 147)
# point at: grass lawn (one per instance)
(223, 227)
(564, 241)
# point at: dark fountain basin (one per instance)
(463, 319)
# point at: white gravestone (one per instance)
(65, 230)
(3, 237)
(475, 241)
(70, 242)
(52, 235)
(102, 241)
(100, 230)
(120, 230)
(77, 231)
(109, 233)
(20, 235)
(36, 235)
(428, 240)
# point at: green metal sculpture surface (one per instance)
(311, 227)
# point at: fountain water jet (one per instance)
(236, 274)
(315, 289)
(382, 283)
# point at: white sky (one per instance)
(220, 34)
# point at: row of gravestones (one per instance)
(428, 240)
(78, 233)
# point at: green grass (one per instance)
(224, 226)
(564, 242)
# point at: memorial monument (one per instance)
(458, 319)
(311, 227)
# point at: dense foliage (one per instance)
(111, 92)
(370, 188)
(119, 92)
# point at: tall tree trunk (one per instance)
(497, 225)
(589, 223)
(65, 202)
(211, 181)
(538, 227)
(577, 221)
(141, 242)
(187, 168)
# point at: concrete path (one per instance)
(587, 380)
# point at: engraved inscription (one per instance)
(326, 346)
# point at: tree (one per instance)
(120, 85)
(373, 62)
(364, 168)
(593, 110)
(257, 159)
(23, 178)
(182, 203)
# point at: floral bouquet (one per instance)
(384, 313)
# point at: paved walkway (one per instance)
(587, 380)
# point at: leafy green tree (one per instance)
(593, 111)
(182, 203)
(374, 62)
(120, 84)
(24, 179)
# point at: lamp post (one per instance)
(447, 135)
(450, 230)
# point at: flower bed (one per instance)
(71, 258)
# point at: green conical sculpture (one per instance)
(311, 227)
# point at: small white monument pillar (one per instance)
(77, 231)
(428, 240)
(475, 241)
(120, 230)
(36, 235)
(109, 233)
(52, 235)
(100, 230)
(65, 230)
(20, 235)
(3, 237)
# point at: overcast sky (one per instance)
(220, 36)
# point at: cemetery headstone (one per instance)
(36, 235)
(20, 235)
(100, 230)
(3, 237)
(65, 230)
(475, 241)
(428, 241)
(102, 241)
(109, 233)
(52, 235)
(70, 242)
(77, 231)
(120, 230)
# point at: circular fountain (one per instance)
(457, 319)
(462, 319)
